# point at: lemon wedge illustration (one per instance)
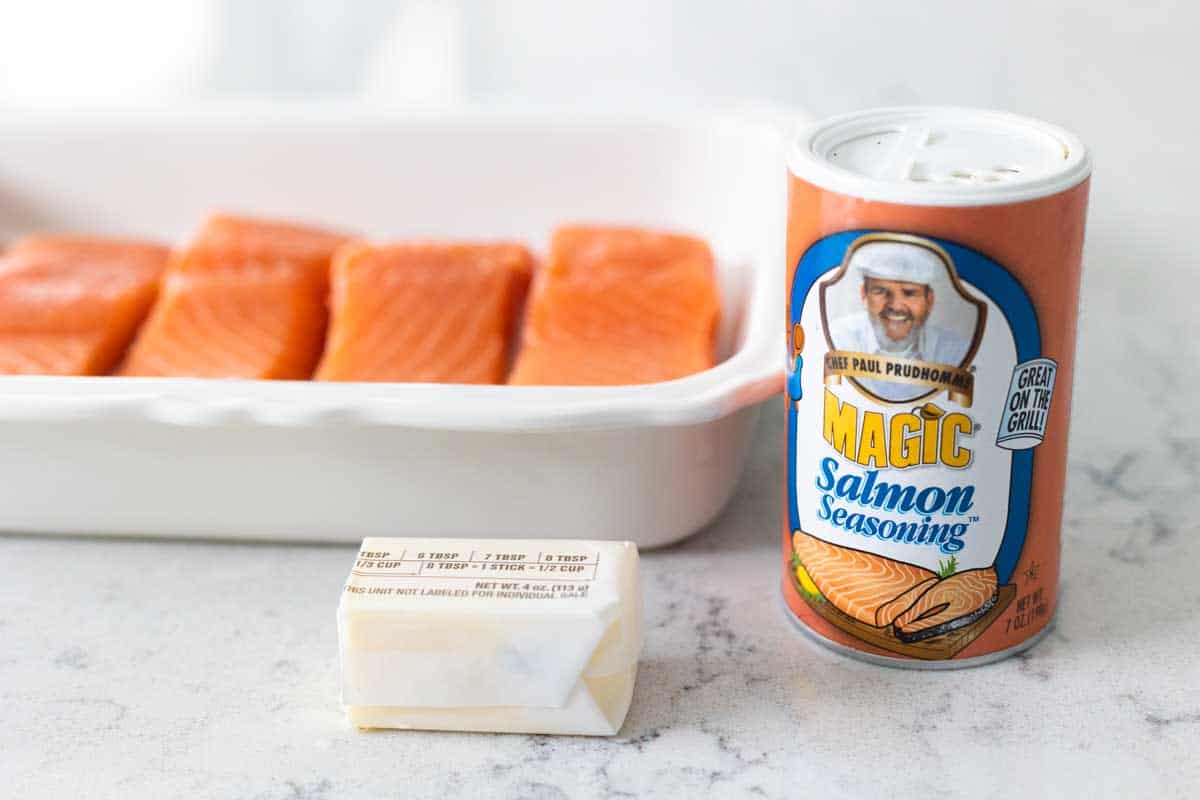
(806, 581)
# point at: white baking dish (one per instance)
(337, 462)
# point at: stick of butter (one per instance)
(513, 636)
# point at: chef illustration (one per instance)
(897, 296)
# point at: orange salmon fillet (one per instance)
(247, 299)
(887, 613)
(855, 582)
(424, 312)
(70, 305)
(619, 306)
(952, 603)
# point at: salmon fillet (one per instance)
(951, 603)
(246, 299)
(855, 582)
(70, 305)
(619, 306)
(424, 312)
(303, 244)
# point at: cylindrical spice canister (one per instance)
(933, 283)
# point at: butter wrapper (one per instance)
(514, 636)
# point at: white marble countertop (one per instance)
(167, 669)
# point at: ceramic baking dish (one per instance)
(337, 462)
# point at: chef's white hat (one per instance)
(896, 261)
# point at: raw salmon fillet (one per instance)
(71, 305)
(619, 306)
(855, 582)
(951, 603)
(424, 312)
(246, 299)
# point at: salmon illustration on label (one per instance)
(918, 390)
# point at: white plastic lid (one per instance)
(939, 156)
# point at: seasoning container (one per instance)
(933, 259)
